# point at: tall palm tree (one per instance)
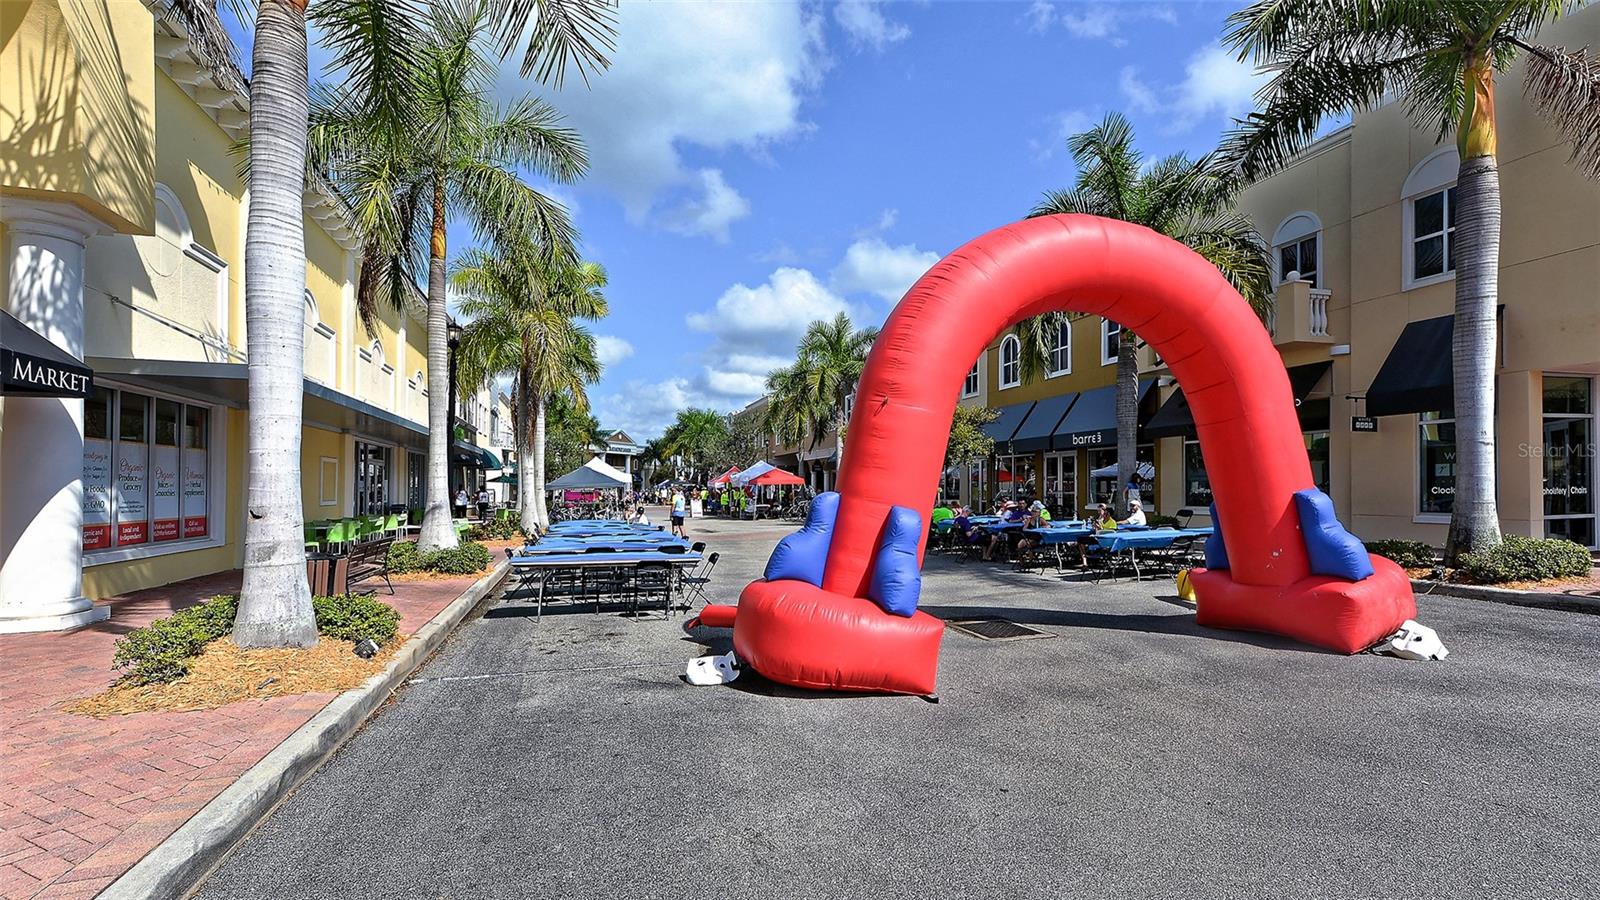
(809, 398)
(1336, 58)
(372, 49)
(1190, 201)
(523, 309)
(694, 436)
(445, 150)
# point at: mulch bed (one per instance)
(225, 673)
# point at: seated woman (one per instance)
(1038, 517)
(1013, 513)
(1103, 521)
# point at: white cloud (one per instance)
(885, 221)
(1215, 85)
(769, 318)
(1097, 21)
(644, 409)
(717, 207)
(1040, 15)
(611, 350)
(873, 267)
(708, 75)
(866, 25)
(1061, 127)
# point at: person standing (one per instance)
(679, 510)
(461, 502)
(483, 504)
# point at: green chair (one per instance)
(313, 543)
(391, 524)
(339, 533)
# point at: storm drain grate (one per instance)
(997, 629)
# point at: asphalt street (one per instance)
(1131, 754)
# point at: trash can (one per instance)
(327, 574)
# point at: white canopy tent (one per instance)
(1144, 471)
(760, 468)
(592, 475)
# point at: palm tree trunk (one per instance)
(1474, 517)
(541, 510)
(275, 600)
(530, 522)
(1127, 419)
(437, 531)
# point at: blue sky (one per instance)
(760, 164)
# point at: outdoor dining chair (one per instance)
(649, 578)
(391, 524)
(696, 584)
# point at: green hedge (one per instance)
(1519, 558)
(354, 617)
(405, 557)
(465, 558)
(1408, 554)
(165, 649)
(495, 530)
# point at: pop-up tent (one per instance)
(592, 475)
(775, 477)
(725, 477)
(755, 471)
(1143, 470)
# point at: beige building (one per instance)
(1361, 228)
(122, 219)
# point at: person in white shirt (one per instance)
(639, 517)
(1135, 514)
(461, 502)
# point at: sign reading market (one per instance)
(32, 366)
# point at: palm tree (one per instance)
(809, 398)
(1336, 58)
(372, 49)
(1190, 201)
(522, 309)
(694, 436)
(444, 151)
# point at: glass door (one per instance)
(1569, 446)
(1061, 484)
(372, 479)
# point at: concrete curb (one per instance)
(1535, 599)
(179, 864)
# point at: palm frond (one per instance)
(529, 132)
(579, 32)
(1565, 87)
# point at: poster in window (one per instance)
(164, 493)
(133, 484)
(195, 516)
(96, 494)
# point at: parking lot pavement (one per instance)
(1130, 754)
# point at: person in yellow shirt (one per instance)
(1103, 521)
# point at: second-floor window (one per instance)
(1433, 234)
(1010, 362)
(969, 388)
(1061, 352)
(1110, 340)
(1300, 257)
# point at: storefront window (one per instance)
(1196, 483)
(97, 469)
(414, 480)
(1016, 477)
(1061, 484)
(1436, 458)
(133, 469)
(372, 479)
(978, 484)
(1317, 452)
(1568, 455)
(145, 471)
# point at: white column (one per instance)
(41, 439)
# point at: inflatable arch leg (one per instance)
(1291, 569)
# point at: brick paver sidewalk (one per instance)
(83, 799)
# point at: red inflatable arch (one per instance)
(1216, 348)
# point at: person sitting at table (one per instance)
(1103, 521)
(1038, 517)
(639, 517)
(1135, 514)
(941, 513)
(1013, 514)
(962, 528)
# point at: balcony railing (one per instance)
(1299, 314)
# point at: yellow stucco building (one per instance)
(1360, 228)
(122, 218)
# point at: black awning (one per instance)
(1036, 431)
(33, 366)
(1011, 418)
(1092, 421)
(1175, 419)
(1416, 376)
(473, 456)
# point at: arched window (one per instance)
(312, 316)
(1429, 197)
(1010, 362)
(1061, 351)
(1297, 247)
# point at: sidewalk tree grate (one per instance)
(997, 629)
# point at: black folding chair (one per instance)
(649, 578)
(695, 585)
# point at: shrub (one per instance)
(495, 530)
(354, 617)
(404, 557)
(1407, 554)
(466, 558)
(164, 649)
(1519, 558)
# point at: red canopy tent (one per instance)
(725, 477)
(776, 477)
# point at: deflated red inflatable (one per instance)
(826, 616)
